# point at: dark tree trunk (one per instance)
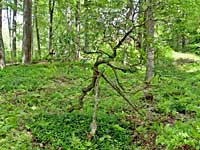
(14, 31)
(27, 32)
(140, 20)
(51, 11)
(37, 29)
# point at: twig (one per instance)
(117, 79)
(117, 89)
(118, 68)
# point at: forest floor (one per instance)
(35, 100)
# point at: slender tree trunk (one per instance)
(140, 19)
(141, 32)
(77, 19)
(149, 43)
(27, 32)
(2, 54)
(9, 13)
(68, 17)
(51, 11)
(38, 38)
(93, 124)
(69, 45)
(14, 31)
(37, 29)
(86, 40)
(32, 39)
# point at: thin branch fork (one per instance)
(118, 68)
(106, 60)
(118, 90)
(121, 42)
(117, 79)
(96, 71)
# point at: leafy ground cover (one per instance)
(35, 100)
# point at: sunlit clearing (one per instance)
(179, 55)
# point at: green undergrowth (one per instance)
(35, 99)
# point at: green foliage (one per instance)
(180, 134)
(69, 130)
(35, 101)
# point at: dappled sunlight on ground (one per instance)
(180, 55)
(186, 61)
(190, 68)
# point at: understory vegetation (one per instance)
(99, 74)
(36, 102)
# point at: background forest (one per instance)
(100, 74)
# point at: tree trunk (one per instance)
(37, 29)
(86, 40)
(9, 13)
(14, 31)
(68, 14)
(2, 55)
(51, 11)
(93, 125)
(27, 32)
(140, 20)
(149, 42)
(32, 45)
(69, 45)
(77, 20)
